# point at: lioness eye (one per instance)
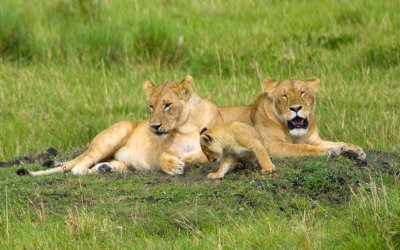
(167, 105)
(284, 97)
(302, 93)
(150, 108)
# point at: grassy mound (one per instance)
(146, 209)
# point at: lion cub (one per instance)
(232, 144)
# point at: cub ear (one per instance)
(203, 130)
(270, 85)
(205, 139)
(184, 88)
(148, 86)
(313, 82)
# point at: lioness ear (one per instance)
(205, 139)
(270, 85)
(148, 86)
(313, 82)
(184, 88)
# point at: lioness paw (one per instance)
(80, 170)
(353, 152)
(194, 158)
(333, 151)
(173, 166)
(103, 168)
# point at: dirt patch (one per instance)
(323, 179)
(38, 158)
(42, 158)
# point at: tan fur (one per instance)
(272, 112)
(236, 114)
(169, 140)
(234, 143)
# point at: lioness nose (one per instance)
(295, 108)
(155, 126)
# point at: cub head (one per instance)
(293, 102)
(209, 146)
(168, 105)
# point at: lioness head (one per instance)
(293, 102)
(209, 146)
(168, 105)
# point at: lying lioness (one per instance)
(284, 116)
(169, 140)
(284, 123)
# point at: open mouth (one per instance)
(298, 122)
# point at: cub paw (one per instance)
(103, 168)
(215, 176)
(80, 170)
(353, 152)
(268, 170)
(173, 166)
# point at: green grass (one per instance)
(308, 203)
(70, 68)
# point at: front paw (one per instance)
(173, 166)
(215, 176)
(353, 152)
(80, 170)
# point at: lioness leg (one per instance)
(103, 146)
(280, 148)
(347, 149)
(225, 165)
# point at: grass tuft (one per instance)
(15, 35)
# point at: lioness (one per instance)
(285, 123)
(169, 140)
(232, 144)
(284, 116)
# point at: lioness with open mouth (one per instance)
(284, 116)
(284, 124)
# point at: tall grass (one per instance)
(280, 36)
